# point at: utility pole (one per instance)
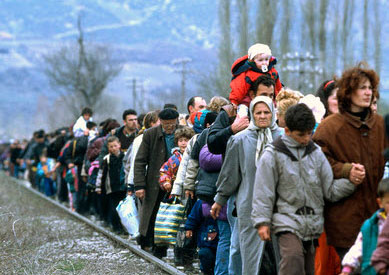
(134, 100)
(136, 86)
(183, 71)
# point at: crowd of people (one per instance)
(274, 182)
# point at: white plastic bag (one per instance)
(129, 215)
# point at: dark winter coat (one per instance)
(54, 148)
(35, 151)
(200, 221)
(149, 159)
(220, 132)
(15, 154)
(210, 165)
(94, 148)
(76, 151)
(199, 144)
(110, 174)
(125, 142)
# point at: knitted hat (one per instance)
(197, 119)
(258, 49)
(316, 106)
(167, 114)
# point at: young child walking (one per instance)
(109, 180)
(247, 69)
(200, 222)
(292, 180)
(169, 169)
(46, 174)
(359, 255)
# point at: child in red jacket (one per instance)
(247, 69)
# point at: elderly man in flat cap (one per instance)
(154, 151)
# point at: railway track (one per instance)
(125, 243)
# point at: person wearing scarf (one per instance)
(237, 177)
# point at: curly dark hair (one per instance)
(185, 132)
(350, 81)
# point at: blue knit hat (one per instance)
(197, 119)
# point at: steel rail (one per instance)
(132, 247)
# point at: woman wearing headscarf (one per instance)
(237, 177)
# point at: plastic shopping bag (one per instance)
(129, 215)
(170, 214)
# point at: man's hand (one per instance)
(140, 194)
(240, 123)
(215, 210)
(189, 193)
(264, 232)
(98, 191)
(357, 173)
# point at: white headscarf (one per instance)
(264, 134)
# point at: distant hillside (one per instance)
(144, 36)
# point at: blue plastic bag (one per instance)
(129, 215)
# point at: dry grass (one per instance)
(37, 238)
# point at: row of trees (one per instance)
(313, 40)
(327, 35)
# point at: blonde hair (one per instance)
(216, 103)
(287, 98)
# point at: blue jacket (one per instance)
(369, 231)
(203, 224)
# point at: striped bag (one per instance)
(170, 213)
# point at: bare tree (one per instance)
(81, 72)
(377, 36)
(265, 21)
(365, 29)
(334, 64)
(285, 37)
(323, 34)
(243, 27)
(348, 14)
(309, 16)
